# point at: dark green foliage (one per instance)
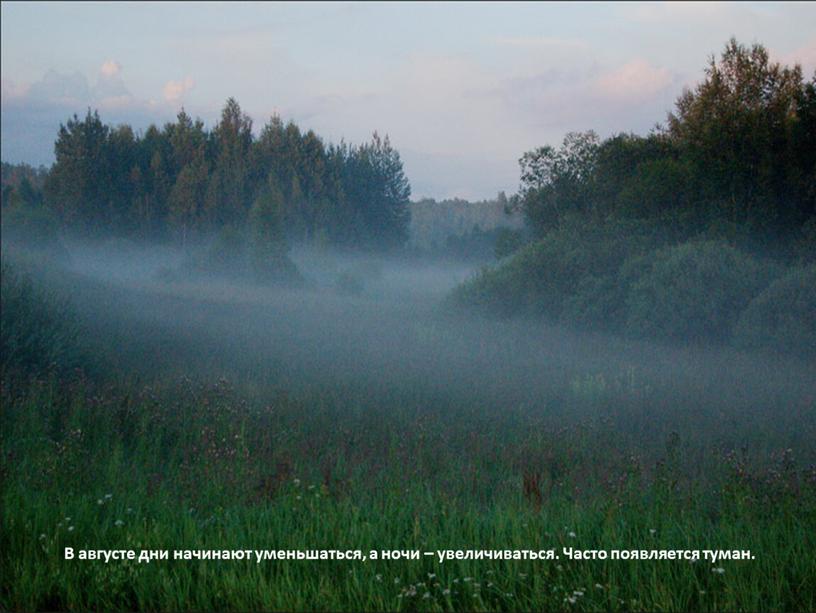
(748, 131)
(783, 317)
(556, 183)
(268, 248)
(542, 277)
(78, 186)
(182, 182)
(660, 189)
(615, 280)
(38, 332)
(694, 291)
(508, 241)
(740, 149)
(599, 302)
(32, 228)
(732, 174)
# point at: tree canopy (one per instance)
(183, 181)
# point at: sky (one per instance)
(462, 89)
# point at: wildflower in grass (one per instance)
(426, 595)
(578, 593)
(396, 580)
(129, 510)
(378, 577)
(431, 575)
(297, 482)
(523, 575)
(652, 531)
(719, 570)
(108, 496)
(42, 536)
(119, 523)
(570, 599)
(598, 586)
(67, 519)
(298, 497)
(99, 501)
(446, 592)
(467, 579)
(70, 528)
(572, 535)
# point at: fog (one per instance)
(393, 340)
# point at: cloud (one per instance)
(58, 89)
(110, 69)
(636, 80)
(110, 90)
(174, 90)
(33, 113)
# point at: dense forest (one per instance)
(704, 229)
(182, 183)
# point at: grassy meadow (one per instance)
(198, 416)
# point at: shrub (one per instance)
(33, 230)
(783, 317)
(599, 302)
(543, 277)
(695, 290)
(508, 242)
(38, 332)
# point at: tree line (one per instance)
(703, 230)
(183, 182)
(736, 159)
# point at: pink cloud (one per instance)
(175, 90)
(110, 69)
(635, 80)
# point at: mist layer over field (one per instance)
(383, 327)
(362, 409)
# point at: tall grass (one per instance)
(197, 466)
